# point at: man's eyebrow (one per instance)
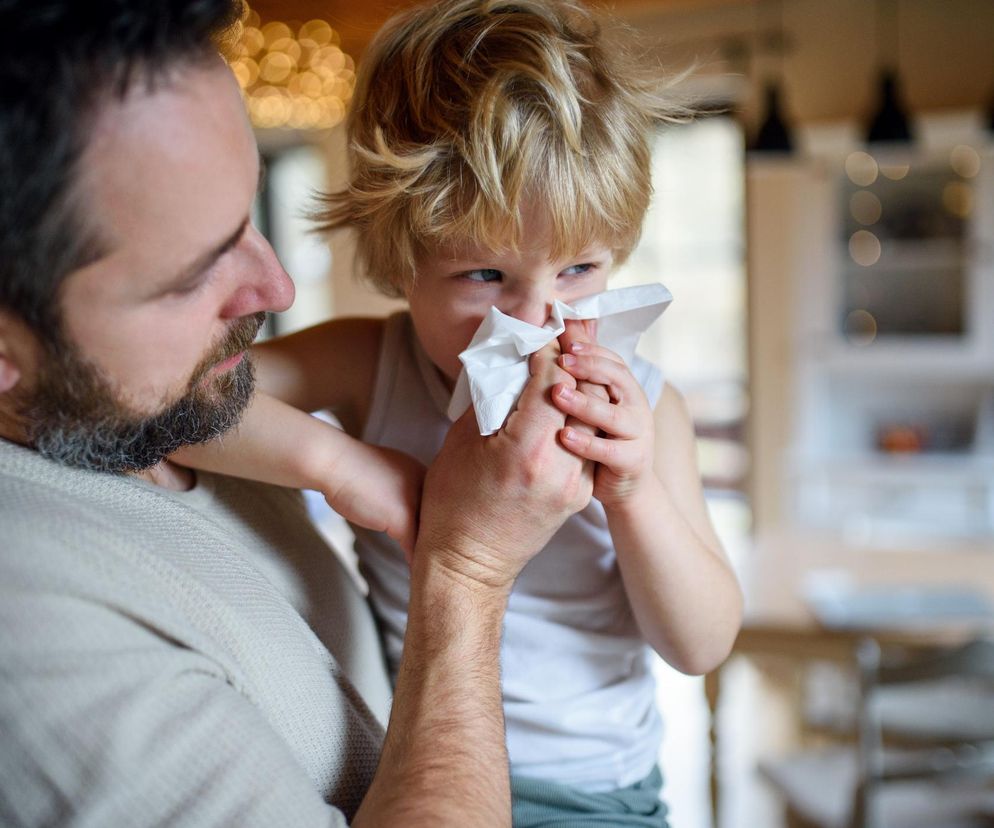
(193, 271)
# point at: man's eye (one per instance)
(486, 274)
(577, 270)
(187, 288)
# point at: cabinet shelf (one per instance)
(913, 470)
(919, 360)
(893, 350)
(904, 254)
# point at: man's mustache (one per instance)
(239, 338)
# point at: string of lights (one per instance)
(293, 76)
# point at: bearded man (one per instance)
(180, 648)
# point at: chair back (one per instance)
(958, 760)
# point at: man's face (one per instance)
(75, 417)
(151, 351)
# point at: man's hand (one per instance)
(491, 503)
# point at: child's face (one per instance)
(457, 285)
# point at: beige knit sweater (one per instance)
(196, 658)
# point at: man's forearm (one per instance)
(444, 761)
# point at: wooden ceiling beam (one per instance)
(357, 22)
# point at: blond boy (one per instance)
(499, 157)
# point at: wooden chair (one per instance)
(901, 769)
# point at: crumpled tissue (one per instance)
(495, 365)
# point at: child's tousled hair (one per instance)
(467, 110)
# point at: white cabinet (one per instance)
(889, 308)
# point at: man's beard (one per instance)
(75, 418)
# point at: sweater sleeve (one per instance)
(106, 721)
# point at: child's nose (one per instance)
(532, 309)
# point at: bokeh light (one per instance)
(861, 167)
(957, 198)
(865, 207)
(860, 327)
(293, 77)
(965, 161)
(895, 172)
(864, 247)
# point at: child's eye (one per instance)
(485, 274)
(577, 269)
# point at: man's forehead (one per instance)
(170, 166)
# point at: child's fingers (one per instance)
(592, 390)
(578, 332)
(615, 376)
(580, 346)
(617, 455)
(604, 415)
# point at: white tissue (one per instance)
(495, 365)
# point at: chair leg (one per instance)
(794, 820)
(860, 812)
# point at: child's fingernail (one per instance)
(576, 347)
(568, 360)
(565, 393)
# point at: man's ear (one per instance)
(10, 374)
(15, 347)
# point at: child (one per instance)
(499, 156)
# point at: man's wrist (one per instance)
(480, 554)
(447, 571)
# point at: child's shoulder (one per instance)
(349, 343)
(330, 366)
(365, 333)
(352, 347)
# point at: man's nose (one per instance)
(262, 284)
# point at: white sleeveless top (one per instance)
(578, 688)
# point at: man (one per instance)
(184, 649)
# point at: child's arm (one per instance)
(371, 486)
(681, 587)
(330, 366)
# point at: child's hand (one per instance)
(380, 489)
(610, 399)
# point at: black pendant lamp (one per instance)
(774, 135)
(890, 123)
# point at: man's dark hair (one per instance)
(59, 60)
